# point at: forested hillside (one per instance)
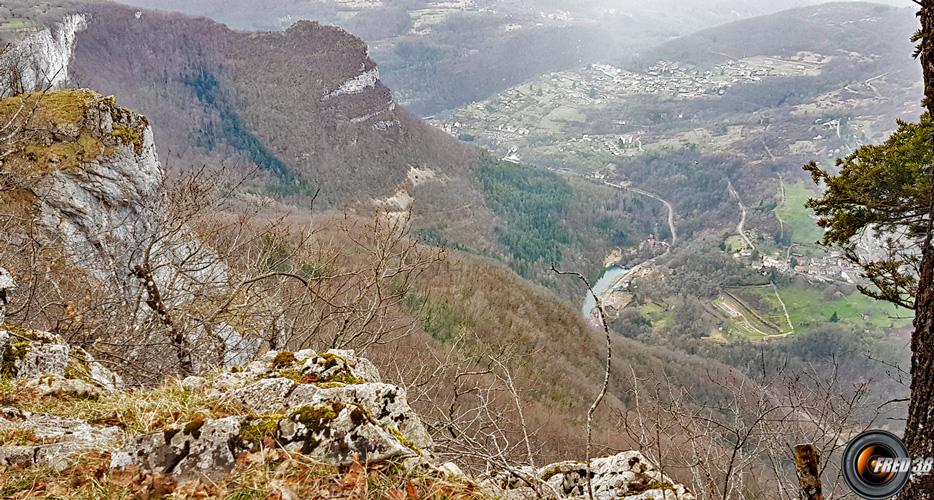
(270, 100)
(824, 29)
(326, 128)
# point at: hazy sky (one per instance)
(681, 16)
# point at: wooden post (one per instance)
(806, 462)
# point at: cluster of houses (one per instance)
(825, 269)
(541, 107)
(675, 79)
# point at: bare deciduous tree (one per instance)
(744, 445)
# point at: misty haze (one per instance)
(491, 249)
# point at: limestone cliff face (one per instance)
(87, 172)
(43, 56)
(90, 167)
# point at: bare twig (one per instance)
(606, 373)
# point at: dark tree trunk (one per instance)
(154, 301)
(919, 431)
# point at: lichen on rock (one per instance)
(32, 354)
(628, 475)
(59, 386)
(279, 382)
(55, 440)
(330, 432)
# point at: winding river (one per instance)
(610, 276)
(613, 274)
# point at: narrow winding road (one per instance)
(635, 269)
(873, 87)
(671, 209)
(741, 227)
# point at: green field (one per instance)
(797, 218)
(809, 309)
(773, 311)
(735, 243)
(656, 314)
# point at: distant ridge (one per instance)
(822, 28)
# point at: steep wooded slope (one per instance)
(304, 105)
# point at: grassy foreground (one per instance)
(269, 473)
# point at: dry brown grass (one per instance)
(266, 474)
(136, 411)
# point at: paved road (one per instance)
(873, 87)
(671, 209)
(741, 227)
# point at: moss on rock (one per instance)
(317, 417)
(646, 483)
(283, 359)
(328, 362)
(193, 428)
(130, 136)
(254, 431)
(404, 441)
(58, 107)
(78, 368)
(23, 333)
(346, 378)
(64, 129)
(13, 355)
(292, 374)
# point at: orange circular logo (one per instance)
(876, 465)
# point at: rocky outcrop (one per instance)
(100, 193)
(44, 365)
(89, 171)
(628, 475)
(330, 406)
(357, 84)
(7, 286)
(48, 440)
(51, 365)
(329, 432)
(283, 380)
